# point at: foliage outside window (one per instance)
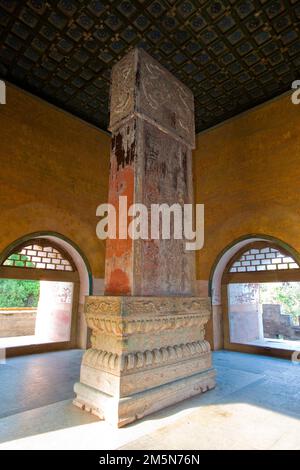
(16, 293)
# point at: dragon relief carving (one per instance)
(99, 359)
(145, 87)
(96, 305)
(167, 100)
(122, 86)
(113, 305)
(167, 305)
(123, 316)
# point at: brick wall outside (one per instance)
(277, 325)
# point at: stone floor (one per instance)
(28, 382)
(256, 405)
(288, 345)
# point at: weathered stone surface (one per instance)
(164, 266)
(148, 348)
(152, 124)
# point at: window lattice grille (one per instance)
(263, 259)
(39, 257)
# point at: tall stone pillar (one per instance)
(148, 347)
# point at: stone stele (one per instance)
(148, 348)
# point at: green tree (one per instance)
(19, 293)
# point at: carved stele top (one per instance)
(141, 86)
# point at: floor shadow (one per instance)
(36, 391)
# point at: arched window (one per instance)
(39, 254)
(262, 257)
(261, 298)
(39, 289)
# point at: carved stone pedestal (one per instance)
(147, 353)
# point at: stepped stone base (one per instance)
(122, 411)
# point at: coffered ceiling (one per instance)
(231, 54)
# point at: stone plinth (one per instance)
(147, 353)
(148, 347)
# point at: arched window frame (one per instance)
(283, 275)
(40, 274)
(280, 275)
(23, 272)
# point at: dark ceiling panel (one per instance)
(231, 54)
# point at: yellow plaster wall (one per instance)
(247, 173)
(54, 173)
